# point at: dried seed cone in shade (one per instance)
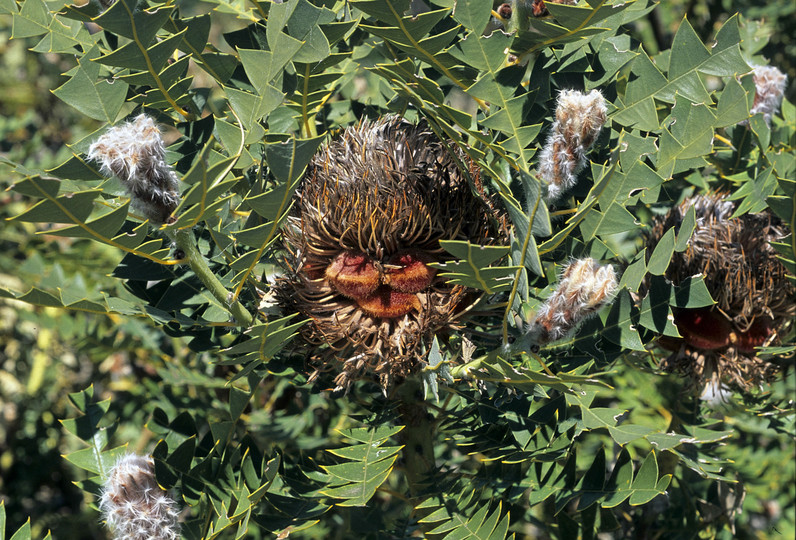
(134, 506)
(134, 152)
(770, 85)
(755, 299)
(366, 223)
(579, 119)
(584, 288)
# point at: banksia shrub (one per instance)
(365, 339)
(368, 219)
(134, 152)
(584, 288)
(579, 119)
(769, 88)
(755, 299)
(133, 504)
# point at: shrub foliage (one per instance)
(491, 436)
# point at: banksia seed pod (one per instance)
(584, 288)
(539, 9)
(769, 87)
(755, 300)
(367, 222)
(579, 119)
(135, 153)
(133, 504)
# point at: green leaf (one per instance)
(68, 208)
(262, 67)
(140, 25)
(620, 323)
(754, 193)
(733, 106)
(33, 19)
(23, 533)
(472, 270)
(265, 341)
(662, 254)
(251, 108)
(615, 219)
(686, 229)
(472, 14)
(98, 99)
(371, 463)
(302, 21)
(646, 485)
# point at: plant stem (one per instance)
(417, 438)
(185, 240)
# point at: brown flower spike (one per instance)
(755, 299)
(366, 224)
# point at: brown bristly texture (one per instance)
(755, 299)
(367, 219)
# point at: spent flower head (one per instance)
(135, 153)
(133, 504)
(769, 88)
(367, 222)
(579, 119)
(584, 288)
(755, 299)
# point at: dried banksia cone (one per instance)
(579, 119)
(135, 153)
(769, 87)
(584, 288)
(755, 300)
(367, 222)
(133, 504)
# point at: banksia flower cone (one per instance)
(134, 506)
(769, 87)
(584, 288)
(135, 153)
(366, 225)
(755, 299)
(579, 119)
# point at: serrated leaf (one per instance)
(662, 254)
(473, 269)
(371, 466)
(98, 99)
(472, 14)
(619, 325)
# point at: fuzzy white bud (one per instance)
(584, 288)
(579, 119)
(769, 87)
(133, 504)
(135, 153)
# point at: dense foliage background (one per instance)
(107, 346)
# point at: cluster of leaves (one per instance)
(581, 439)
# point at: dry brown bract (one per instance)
(754, 297)
(366, 223)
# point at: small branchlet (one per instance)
(585, 287)
(134, 152)
(579, 119)
(769, 87)
(134, 506)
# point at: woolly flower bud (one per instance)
(579, 119)
(584, 288)
(135, 153)
(134, 506)
(769, 87)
